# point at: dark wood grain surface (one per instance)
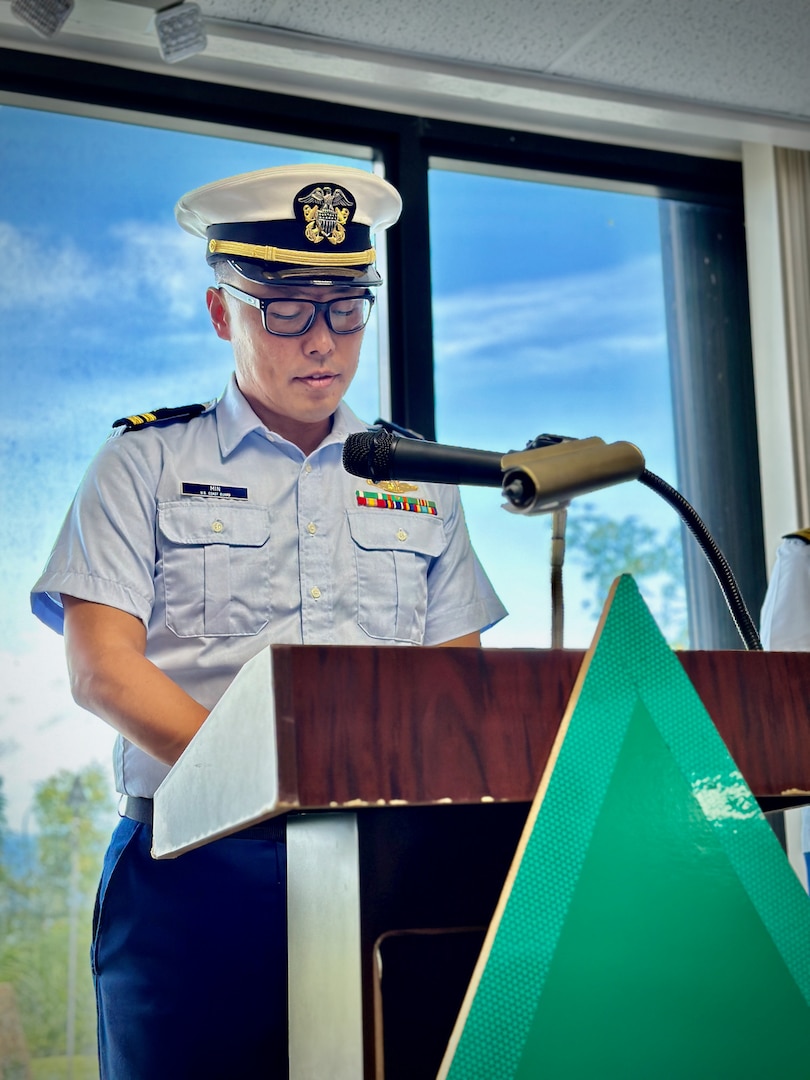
(363, 726)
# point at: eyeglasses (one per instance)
(291, 318)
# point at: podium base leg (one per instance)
(324, 966)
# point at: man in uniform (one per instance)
(198, 537)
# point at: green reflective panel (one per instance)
(662, 954)
(651, 925)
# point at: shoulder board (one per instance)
(800, 534)
(159, 416)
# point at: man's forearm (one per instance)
(111, 677)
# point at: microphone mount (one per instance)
(546, 478)
(543, 466)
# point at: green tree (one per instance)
(15, 892)
(49, 923)
(607, 548)
(72, 808)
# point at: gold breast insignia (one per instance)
(394, 487)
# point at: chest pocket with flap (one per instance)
(215, 562)
(393, 552)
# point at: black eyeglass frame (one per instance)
(262, 303)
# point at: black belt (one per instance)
(274, 829)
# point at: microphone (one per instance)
(543, 478)
(381, 455)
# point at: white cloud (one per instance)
(580, 319)
(144, 263)
(45, 271)
(164, 262)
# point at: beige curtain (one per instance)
(793, 192)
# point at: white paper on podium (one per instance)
(227, 777)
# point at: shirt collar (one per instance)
(236, 420)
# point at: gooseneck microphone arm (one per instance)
(732, 595)
(717, 560)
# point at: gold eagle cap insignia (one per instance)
(394, 487)
(326, 211)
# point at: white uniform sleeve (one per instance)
(785, 622)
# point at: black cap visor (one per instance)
(285, 274)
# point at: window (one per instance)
(99, 323)
(549, 318)
(104, 316)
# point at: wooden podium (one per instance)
(406, 776)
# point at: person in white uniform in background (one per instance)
(785, 619)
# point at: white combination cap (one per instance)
(294, 224)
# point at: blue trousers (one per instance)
(189, 960)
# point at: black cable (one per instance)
(722, 571)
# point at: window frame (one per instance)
(403, 146)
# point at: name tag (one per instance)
(215, 491)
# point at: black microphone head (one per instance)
(381, 455)
(367, 453)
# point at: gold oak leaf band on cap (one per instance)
(267, 253)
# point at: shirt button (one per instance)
(312, 528)
(315, 592)
(217, 526)
(307, 468)
(402, 535)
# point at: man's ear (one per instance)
(218, 312)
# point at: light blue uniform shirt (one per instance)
(223, 538)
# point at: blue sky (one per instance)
(553, 314)
(548, 317)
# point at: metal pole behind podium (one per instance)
(323, 940)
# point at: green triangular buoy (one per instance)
(651, 925)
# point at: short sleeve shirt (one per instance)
(785, 618)
(223, 538)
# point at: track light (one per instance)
(44, 16)
(180, 32)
